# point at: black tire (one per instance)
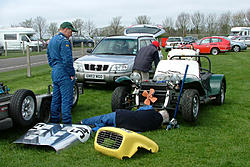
(190, 105)
(236, 48)
(220, 98)
(45, 110)
(215, 51)
(119, 98)
(23, 107)
(75, 95)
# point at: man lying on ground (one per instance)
(143, 119)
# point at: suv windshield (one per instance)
(116, 47)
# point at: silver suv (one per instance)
(111, 58)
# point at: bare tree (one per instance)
(211, 24)
(40, 26)
(182, 22)
(53, 28)
(248, 17)
(198, 21)
(224, 23)
(28, 23)
(239, 19)
(168, 25)
(78, 25)
(90, 28)
(143, 19)
(115, 26)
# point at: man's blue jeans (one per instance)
(100, 121)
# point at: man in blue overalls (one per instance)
(63, 74)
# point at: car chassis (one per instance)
(200, 86)
(24, 108)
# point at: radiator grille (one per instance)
(96, 67)
(109, 139)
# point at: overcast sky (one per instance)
(101, 12)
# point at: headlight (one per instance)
(135, 77)
(78, 66)
(119, 67)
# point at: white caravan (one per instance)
(17, 38)
(239, 31)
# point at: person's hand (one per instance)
(72, 77)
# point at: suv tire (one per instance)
(190, 105)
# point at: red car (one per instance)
(213, 45)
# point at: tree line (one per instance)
(196, 23)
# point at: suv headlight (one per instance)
(119, 68)
(78, 66)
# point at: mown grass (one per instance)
(220, 137)
(14, 54)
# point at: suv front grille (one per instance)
(96, 67)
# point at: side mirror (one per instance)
(89, 50)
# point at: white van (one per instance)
(1, 48)
(239, 31)
(18, 38)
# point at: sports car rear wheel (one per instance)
(23, 107)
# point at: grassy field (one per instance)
(221, 136)
(13, 54)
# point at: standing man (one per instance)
(144, 59)
(63, 74)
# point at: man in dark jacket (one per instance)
(144, 59)
(143, 119)
(63, 74)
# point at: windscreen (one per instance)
(117, 47)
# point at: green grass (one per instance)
(220, 137)
(14, 54)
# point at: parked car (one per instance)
(245, 39)
(236, 46)
(213, 45)
(112, 57)
(1, 48)
(87, 41)
(173, 41)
